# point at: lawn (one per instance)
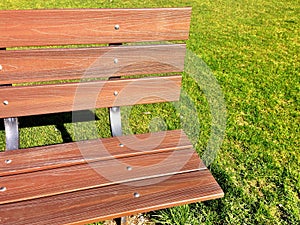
(252, 48)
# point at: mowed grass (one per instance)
(252, 48)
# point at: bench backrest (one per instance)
(79, 68)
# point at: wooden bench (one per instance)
(87, 181)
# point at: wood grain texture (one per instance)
(97, 204)
(88, 26)
(75, 153)
(43, 99)
(84, 63)
(98, 174)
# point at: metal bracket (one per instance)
(11, 133)
(115, 121)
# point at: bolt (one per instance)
(129, 168)
(2, 189)
(1, 67)
(116, 60)
(136, 195)
(116, 93)
(5, 102)
(117, 27)
(8, 161)
(121, 145)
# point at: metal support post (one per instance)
(11, 133)
(115, 121)
(11, 127)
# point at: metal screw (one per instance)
(8, 161)
(116, 60)
(116, 93)
(117, 27)
(5, 102)
(121, 145)
(2, 189)
(136, 195)
(129, 168)
(1, 67)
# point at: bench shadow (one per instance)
(56, 119)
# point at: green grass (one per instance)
(252, 47)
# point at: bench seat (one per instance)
(101, 179)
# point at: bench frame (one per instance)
(16, 69)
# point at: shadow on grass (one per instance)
(56, 119)
(202, 212)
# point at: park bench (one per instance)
(93, 180)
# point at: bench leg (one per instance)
(122, 221)
(11, 133)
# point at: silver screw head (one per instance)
(1, 67)
(129, 168)
(136, 195)
(116, 60)
(2, 189)
(5, 102)
(121, 145)
(117, 27)
(8, 161)
(116, 93)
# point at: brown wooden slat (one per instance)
(69, 154)
(97, 174)
(59, 64)
(43, 99)
(113, 201)
(87, 26)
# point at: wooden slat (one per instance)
(113, 201)
(87, 26)
(59, 64)
(89, 164)
(43, 99)
(69, 154)
(97, 174)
